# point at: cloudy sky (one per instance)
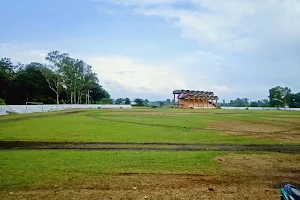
(148, 48)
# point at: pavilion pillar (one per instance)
(198, 102)
(207, 101)
(216, 102)
(194, 102)
(188, 102)
(174, 101)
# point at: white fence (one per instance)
(257, 108)
(23, 109)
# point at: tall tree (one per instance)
(53, 79)
(287, 96)
(127, 101)
(139, 102)
(277, 96)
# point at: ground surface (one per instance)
(153, 153)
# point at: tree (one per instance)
(295, 100)
(161, 103)
(139, 102)
(53, 79)
(277, 96)
(287, 96)
(119, 101)
(127, 101)
(168, 101)
(6, 65)
(2, 102)
(64, 78)
(146, 102)
(254, 104)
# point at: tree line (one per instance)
(278, 97)
(61, 79)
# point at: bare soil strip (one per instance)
(4, 145)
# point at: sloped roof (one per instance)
(195, 94)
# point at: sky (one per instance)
(148, 48)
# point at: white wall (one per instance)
(23, 109)
(258, 108)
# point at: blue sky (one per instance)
(147, 48)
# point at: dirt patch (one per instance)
(4, 145)
(268, 130)
(275, 169)
(151, 186)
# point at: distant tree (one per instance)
(112, 101)
(161, 103)
(119, 101)
(168, 101)
(265, 103)
(254, 104)
(277, 96)
(139, 102)
(287, 96)
(127, 101)
(146, 102)
(105, 101)
(295, 100)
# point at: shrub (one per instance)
(2, 102)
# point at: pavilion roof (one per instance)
(195, 94)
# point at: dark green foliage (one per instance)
(278, 96)
(21, 83)
(139, 102)
(295, 100)
(2, 102)
(127, 101)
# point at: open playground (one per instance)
(145, 153)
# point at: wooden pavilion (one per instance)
(195, 99)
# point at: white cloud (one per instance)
(231, 25)
(21, 54)
(137, 77)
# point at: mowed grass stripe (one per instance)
(22, 168)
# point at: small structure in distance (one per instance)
(195, 99)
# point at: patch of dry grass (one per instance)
(268, 130)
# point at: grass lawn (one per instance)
(127, 174)
(146, 125)
(36, 168)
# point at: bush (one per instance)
(2, 102)
(45, 100)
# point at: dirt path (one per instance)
(4, 145)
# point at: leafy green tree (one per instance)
(287, 96)
(2, 102)
(6, 65)
(168, 101)
(139, 102)
(146, 102)
(277, 96)
(53, 79)
(119, 101)
(295, 100)
(254, 104)
(127, 101)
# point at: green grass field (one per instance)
(82, 174)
